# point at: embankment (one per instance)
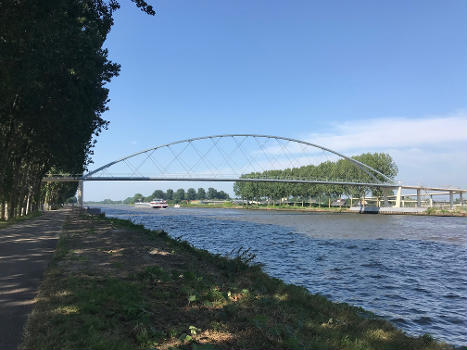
(114, 285)
(457, 212)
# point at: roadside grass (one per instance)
(6, 223)
(181, 297)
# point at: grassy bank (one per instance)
(5, 223)
(282, 207)
(115, 285)
(457, 211)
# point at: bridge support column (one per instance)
(451, 199)
(461, 199)
(419, 198)
(431, 201)
(385, 196)
(398, 197)
(80, 193)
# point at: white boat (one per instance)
(142, 204)
(177, 206)
(158, 203)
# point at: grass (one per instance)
(298, 206)
(138, 289)
(456, 211)
(6, 223)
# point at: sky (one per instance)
(354, 76)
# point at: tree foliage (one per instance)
(341, 170)
(179, 195)
(53, 74)
(201, 194)
(191, 194)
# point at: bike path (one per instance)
(26, 248)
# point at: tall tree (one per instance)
(212, 193)
(169, 194)
(201, 194)
(53, 73)
(191, 194)
(341, 170)
(158, 194)
(179, 195)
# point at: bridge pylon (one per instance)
(80, 193)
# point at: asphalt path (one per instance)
(26, 249)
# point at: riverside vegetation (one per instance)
(340, 170)
(53, 74)
(113, 284)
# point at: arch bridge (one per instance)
(243, 158)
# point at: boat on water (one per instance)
(142, 204)
(158, 203)
(155, 203)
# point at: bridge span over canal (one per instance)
(250, 158)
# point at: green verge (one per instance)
(6, 223)
(456, 212)
(278, 207)
(94, 297)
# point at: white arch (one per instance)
(366, 168)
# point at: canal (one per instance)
(411, 270)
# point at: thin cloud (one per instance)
(394, 132)
(427, 150)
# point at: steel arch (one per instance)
(366, 168)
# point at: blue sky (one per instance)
(358, 76)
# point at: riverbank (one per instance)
(457, 212)
(113, 284)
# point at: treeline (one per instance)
(341, 170)
(53, 73)
(179, 195)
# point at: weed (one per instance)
(194, 330)
(215, 295)
(147, 336)
(218, 326)
(154, 274)
(243, 257)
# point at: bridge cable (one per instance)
(155, 163)
(265, 154)
(144, 161)
(225, 158)
(286, 152)
(203, 158)
(253, 169)
(176, 157)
